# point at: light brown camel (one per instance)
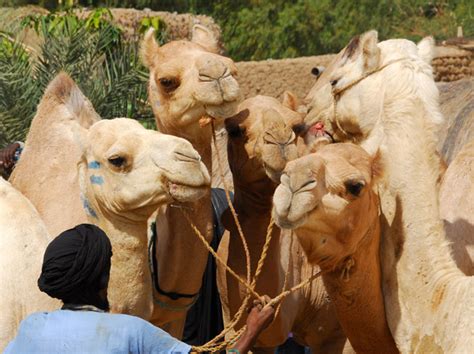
(261, 142)
(328, 198)
(189, 84)
(121, 174)
(385, 99)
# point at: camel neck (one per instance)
(417, 265)
(129, 263)
(254, 202)
(356, 290)
(180, 255)
(253, 207)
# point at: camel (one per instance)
(382, 96)
(328, 198)
(124, 173)
(189, 86)
(23, 240)
(261, 141)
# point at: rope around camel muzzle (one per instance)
(215, 344)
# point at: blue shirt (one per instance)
(65, 331)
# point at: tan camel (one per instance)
(261, 142)
(124, 173)
(329, 201)
(23, 239)
(189, 85)
(385, 99)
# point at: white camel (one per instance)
(383, 97)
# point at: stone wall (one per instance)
(273, 77)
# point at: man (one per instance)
(76, 270)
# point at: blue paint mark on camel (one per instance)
(96, 180)
(94, 165)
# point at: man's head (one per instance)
(76, 267)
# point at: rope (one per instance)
(211, 346)
(229, 201)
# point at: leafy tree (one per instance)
(91, 51)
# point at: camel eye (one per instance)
(117, 161)
(169, 83)
(354, 187)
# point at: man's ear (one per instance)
(149, 48)
(290, 100)
(205, 38)
(370, 50)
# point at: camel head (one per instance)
(189, 80)
(125, 169)
(350, 96)
(261, 138)
(130, 171)
(328, 198)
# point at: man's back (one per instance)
(65, 331)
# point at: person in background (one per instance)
(76, 269)
(9, 156)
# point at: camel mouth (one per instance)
(284, 223)
(182, 192)
(318, 132)
(222, 111)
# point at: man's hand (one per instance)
(7, 155)
(258, 319)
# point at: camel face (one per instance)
(326, 198)
(132, 169)
(188, 80)
(262, 134)
(367, 78)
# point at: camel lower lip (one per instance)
(284, 223)
(180, 191)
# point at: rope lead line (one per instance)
(211, 346)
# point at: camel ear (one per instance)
(148, 48)
(205, 38)
(290, 100)
(370, 50)
(63, 90)
(426, 49)
(317, 70)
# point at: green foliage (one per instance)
(159, 26)
(91, 51)
(278, 29)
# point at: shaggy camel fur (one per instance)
(189, 84)
(386, 99)
(124, 173)
(329, 201)
(261, 142)
(23, 239)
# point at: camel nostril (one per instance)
(187, 156)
